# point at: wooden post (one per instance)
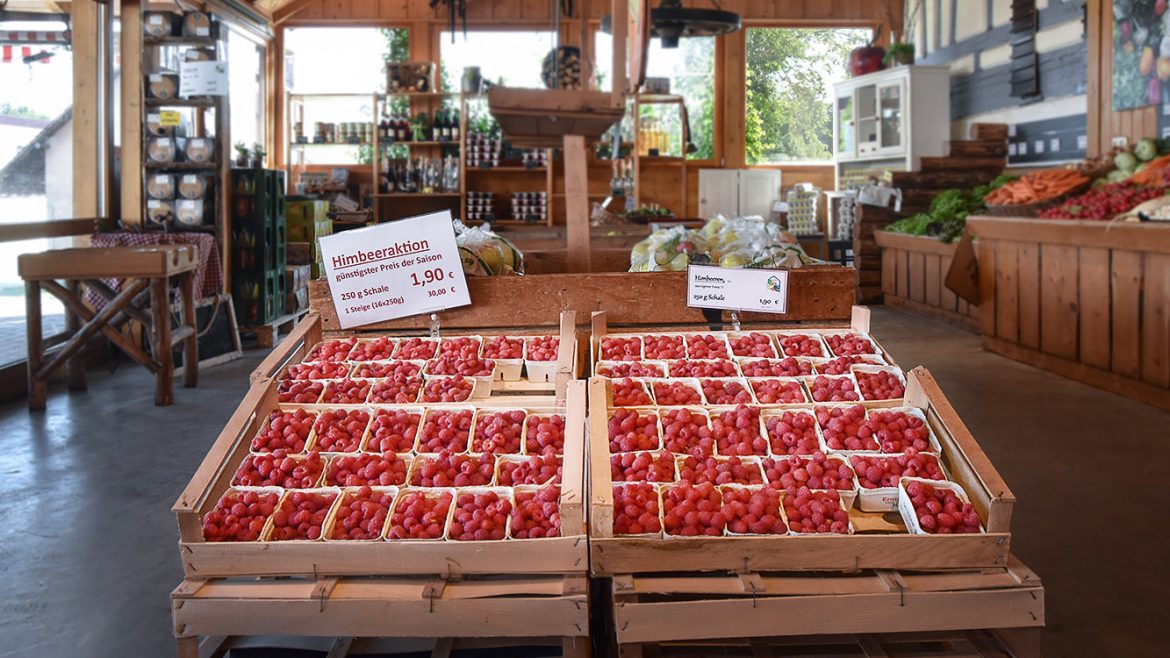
(131, 83)
(72, 325)
(32, 305)
(577, 203)
(191, 344)
(86, 97)
(160, 311)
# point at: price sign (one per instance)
(394, 270)
(203, 79)
(737, 290)
(170, 119)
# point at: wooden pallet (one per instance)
(498, 611)
(686, 607)
(955, 644)
(268, 334)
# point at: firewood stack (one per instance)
(561, 68)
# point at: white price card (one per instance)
(737, 290)
(203, 79)
(393, 270)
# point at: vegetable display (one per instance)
(739, 243)
(948, 212)
(1037, 187)
(1104, 202)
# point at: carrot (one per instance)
(1037, 186)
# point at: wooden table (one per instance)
(145, 296)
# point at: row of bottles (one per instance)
(399, 127)
(420, 176)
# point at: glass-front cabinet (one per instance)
(891, 119)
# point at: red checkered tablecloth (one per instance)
(208, 273)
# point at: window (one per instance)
(36, 167)
(790, 72)
(348, 62)
(691, 71)
(245, 88)
(510, 58)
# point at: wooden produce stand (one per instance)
(1085, 300)
(914, 272)
(502, 591)
(670, 591)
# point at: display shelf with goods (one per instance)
(491, 163)
(888, 121)
(387, 521)
(328, 133)
(185, 140)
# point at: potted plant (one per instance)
(258, 154)
(900, 51)
(868, 58)
(243, 156)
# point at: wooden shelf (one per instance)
(424, 143)
(180, 166)
(420, 94)
(194, 42)
(408, 195)
(180, 102)
(539, 170)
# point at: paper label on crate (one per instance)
(737, 290)
(203, 79)
(393, 270)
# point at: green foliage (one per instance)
(789, 116)
(948, 212)
(20, 112)
(397, 47)
(697, 85)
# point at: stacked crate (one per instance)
(308, 219)
(259, 245)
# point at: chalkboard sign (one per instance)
(219, 337)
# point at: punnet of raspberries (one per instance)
(787, 367)
(707, 346)
(644, 466)
(377, 470)
(899, 431)
(445, 430)
(462, 346)
(630, 430)
(537, 469)
(284, 430)
(849, 344)
(536, 514)
(479, 517)
(693, 510)
(779, 391)
(346, 391)
(720, 470)
(636, 509)
(448, 389)
(631, 369)
(341, 430)
(826, 388)
(504, 348)
(544, 434)
(542, 348)
(361, 514)
(801, 345)
(239, 516)
(941, 511)
(499, 432)
(299, 391)
(300, 515)
(377, 349)
(393, 430)
(753, 511)
(685, 431)
(416, 349)
(451, 363)
(816, 512)
(881, 385)
(397, 370)
(279, 469)
(318, 370)
(676, 394)
(815, 472)
(396, 389)
(420, 515)
(451, 470)
(621, 349)
(844, 428)
(753, 344)
(840, 365)
(700, 368)
(725, 391)
(874, 472)
(792, 433)
(334, 351)
(630, 393)
(737, 432)
(664, 347)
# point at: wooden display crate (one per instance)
(880, 542)
(914, 272)
(675, 608)
(503, 611)
(567, 554)
(1086, 300)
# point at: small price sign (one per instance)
(394, 270)
(737, 290)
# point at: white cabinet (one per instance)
(733, 192)
(894, 117)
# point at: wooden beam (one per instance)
(86, 111)
(577, 203)
(18, 231)
(131, 83)
(286, 9)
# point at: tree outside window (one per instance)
(790, 72)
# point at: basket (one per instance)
(1032, 209)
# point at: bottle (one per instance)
(455, 132)
(440, 129)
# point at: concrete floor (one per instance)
(88, 555)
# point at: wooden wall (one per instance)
(659, 184)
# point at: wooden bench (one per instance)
(144, 296)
